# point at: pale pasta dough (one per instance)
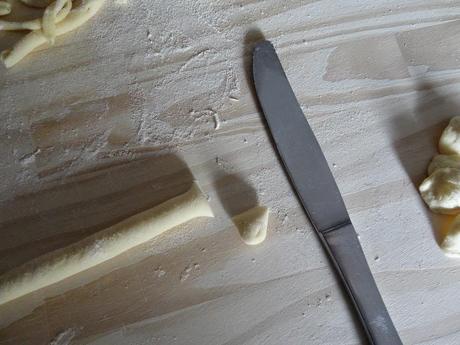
(449, 143)
(252, 225)
(451, 243)
(5, 8)
(104, 245)
(75, 18)
(50, 16)
(441, 191)
(34, 24)
(444, 161)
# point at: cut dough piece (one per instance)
(450, 138)
(34, 24)
(444, 161)
(441, 191)
(76, 18)
(5, 8)
(451, 243)
(103, 245)
(252, 225)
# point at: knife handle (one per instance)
(348, 257)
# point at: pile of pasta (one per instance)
(59, 17)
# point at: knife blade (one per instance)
(314, 184)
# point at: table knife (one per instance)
(318, 193)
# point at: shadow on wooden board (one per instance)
(432, 112)
(235, 194)
(65, 213)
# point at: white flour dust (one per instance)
(65, 337)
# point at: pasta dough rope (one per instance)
(104, 245)
(34, 24)
(75, 19)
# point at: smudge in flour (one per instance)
(159, 272)
(65, 337)
(215, 116)
(149, 36)
(29, 158)
(185, 274)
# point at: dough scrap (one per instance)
(252, 225)
(449, 143)
(76, 18)
(451, 243)
(444, 161)
(34, 24)
(441, 191)
(5, 8)
(104, 245)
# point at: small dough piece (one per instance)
(104, 245)
(444, 161)
(451, 243)
(450, 138)
(5, 8)
(252, 225)
(441, 191)
(76, 18)
(34, 24)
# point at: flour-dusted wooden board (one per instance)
(123, 113)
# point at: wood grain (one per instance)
(120, 115)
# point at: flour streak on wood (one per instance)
(120, 116)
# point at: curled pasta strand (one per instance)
(34, 39)
(35, 24)
(49, 18)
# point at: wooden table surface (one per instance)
(124, 112)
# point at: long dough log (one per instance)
(104, 245)
(76, 18)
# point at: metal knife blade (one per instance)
(302, 156)
(319, 195)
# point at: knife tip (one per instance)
(262, 48)
(253, 38)
(263, 44)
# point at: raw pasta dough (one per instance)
(34, 24)
(441, 191)
(75, 18)
(444, 161)
(451, 243)
(50, 16)
(449, 143)
(104, 245)
(252, 225)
